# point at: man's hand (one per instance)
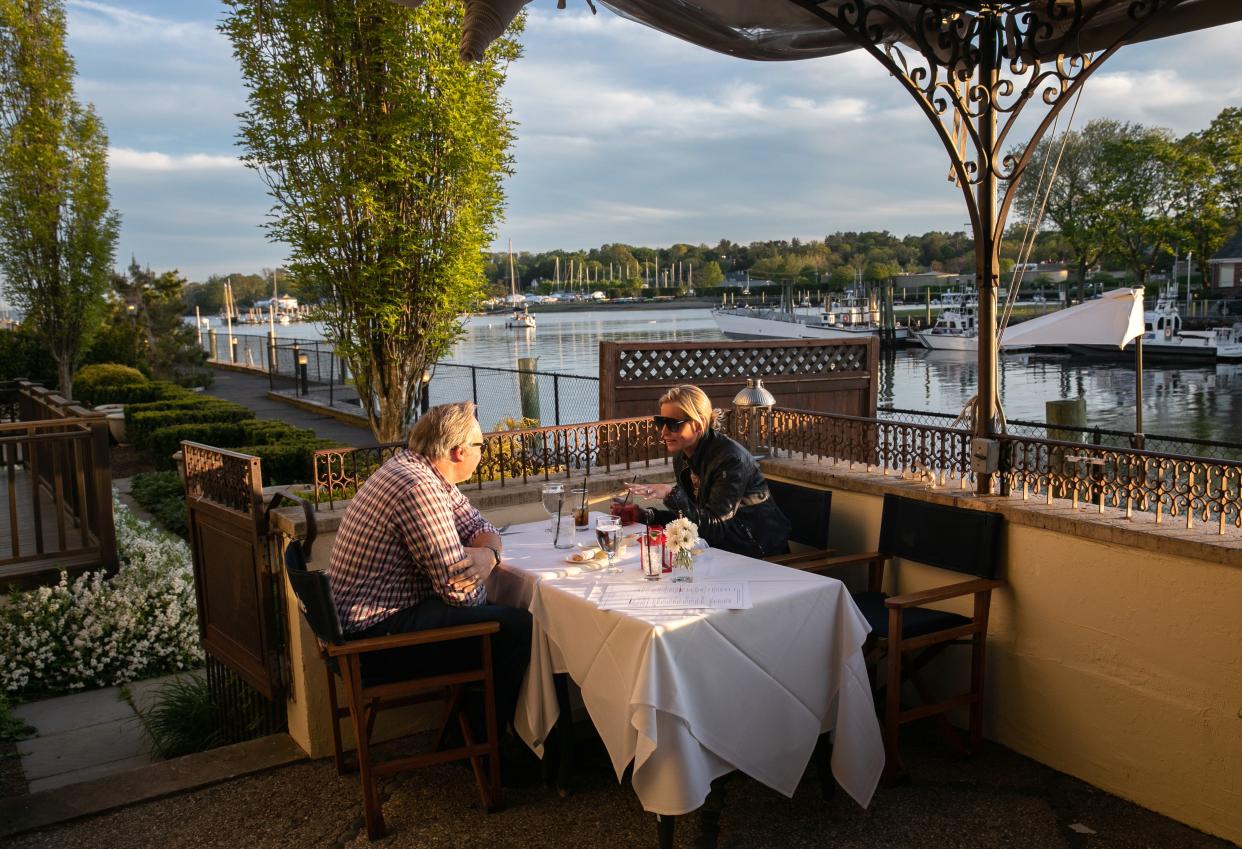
(468, 575)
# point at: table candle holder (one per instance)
(651, 553)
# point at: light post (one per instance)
(303, 379)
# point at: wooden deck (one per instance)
(30, 515)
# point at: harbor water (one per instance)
(1200, 402)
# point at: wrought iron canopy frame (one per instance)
(982, 62)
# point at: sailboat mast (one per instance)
(512, 279)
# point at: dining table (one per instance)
(685, 696)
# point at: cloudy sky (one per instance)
(626, 135)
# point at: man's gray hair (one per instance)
(441, 429)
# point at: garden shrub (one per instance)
(23, 355)
(141, 423)
(144, 393)
(273, 432)
(163, 442)
(100, 631)
(163, 496)
(183, 719)
(288, 462)
(109, 374)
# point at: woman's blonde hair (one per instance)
(692, 401)
(441, 429)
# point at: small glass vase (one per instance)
(683, 566)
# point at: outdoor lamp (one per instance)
(303, 378)
(756, 403)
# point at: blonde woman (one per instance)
(719, 486)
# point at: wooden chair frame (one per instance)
(895, 648)
(363, 703)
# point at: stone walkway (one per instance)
(86, 735)
(251, 390)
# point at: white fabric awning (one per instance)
(1114, 319)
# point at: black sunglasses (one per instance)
(669, 422)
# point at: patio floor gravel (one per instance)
(997, 799)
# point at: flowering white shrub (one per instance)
(95, 631)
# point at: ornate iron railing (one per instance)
(937, 454)
(509, 457)
(1183, 488)
(1186, 488)
(1160, 443)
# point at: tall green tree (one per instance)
(1137, 185)
(154, 303)
(1064, 180)
(384, 154)
(57, 230)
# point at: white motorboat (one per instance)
(957, 326)
(848, 318)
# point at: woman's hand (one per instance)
(650, 490)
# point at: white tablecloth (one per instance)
(689, 696)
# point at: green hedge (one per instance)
(288, 462)
(141, 423)
(154, 392)
(162, 443)
(273, 432)
(162, 494)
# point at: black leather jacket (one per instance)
(731, 503)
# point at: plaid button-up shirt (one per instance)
(402, 537)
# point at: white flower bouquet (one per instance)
(680, 538)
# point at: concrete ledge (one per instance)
(237, 367)
(1140, 531)
(355, 419)
(49, 807)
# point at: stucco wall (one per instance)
(1117, 663)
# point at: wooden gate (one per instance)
(239, 612)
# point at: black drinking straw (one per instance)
(629, 492)
(582, 506)
(556, 535)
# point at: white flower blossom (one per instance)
(100, 631)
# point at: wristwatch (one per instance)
(495, 552)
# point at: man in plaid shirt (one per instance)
(412, 553)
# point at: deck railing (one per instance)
(1187, 488)
(509, 457)
(57, 487)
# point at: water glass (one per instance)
(553, 502)
(608, 536)
(564, 533)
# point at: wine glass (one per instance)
(553, 502)
(608, 535)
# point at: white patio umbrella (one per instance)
(1113, 319)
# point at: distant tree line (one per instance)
(1132, 197)
(836, 261)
